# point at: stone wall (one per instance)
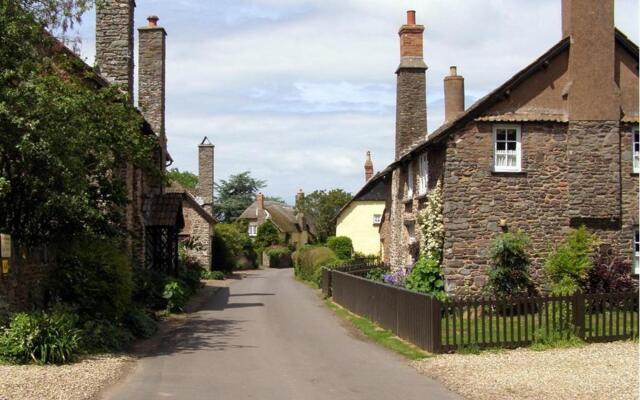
(411, 109)
(200, 232)
(24, 287)
(151, 79)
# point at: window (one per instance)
(253, 229)
(423, 179)
(507, 149)
(410, 181)
(636, 252)
(377, 219)
(636, 150)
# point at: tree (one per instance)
(235, 195)
(186, 179)
(268, 235)
(63, 136)
(323, 206)
(510, 270)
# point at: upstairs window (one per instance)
(636, 150)
(507, 148)
(636, 252)
(253, 229)
(423, 179)
(377, 219)
(410, 181)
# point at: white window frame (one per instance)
(635, 153)
(423, 179)
(518, 151)
(253, 229)
(410, 181)
(636, 251)
(377, 219)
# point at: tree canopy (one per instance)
(235, 195)
(323, 206)
(186, 179)
(64, 137)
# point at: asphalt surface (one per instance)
(270, 337)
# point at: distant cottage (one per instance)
(554, 147)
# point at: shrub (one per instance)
(43, 338)
(397, 277)
(229, 242)
(103, 336)
(608, 274)
(149, 288)
(309, 259)
(189, 272)
(571, 261)
(342, 246)
(176, 295)
(426, 277)
(510, 271)
(279, 256)
(268, 235)
(140, 323)
(376, 274)
(212, 275)
(94, 275)
(329, 264)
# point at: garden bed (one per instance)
(598, 371)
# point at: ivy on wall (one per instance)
(431, 225)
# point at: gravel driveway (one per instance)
(597, 371)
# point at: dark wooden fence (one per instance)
(483, 322)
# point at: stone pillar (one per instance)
(205, 173)
(453, 95)
(114, 42)
(411, 107)
(368, 168)
(152, 80)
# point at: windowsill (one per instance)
(422, 196)
(509, 173)
(635, 173)
(408, 200)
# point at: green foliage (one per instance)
(609, 274)
(277, 251)
(40, 337)
(51, 113)
(571, 261)
(186, 179)
(176, 295)
(562, 338)
(376, 275)
(213, 275)
(189, 272)
(149, 288)
(235, 195)
(140, 323)
(229, 243)
(94, 275)
(510, 270)
(309, 260)
(323, 206)
(426, 277)
(431, 225)
(342, 246)
(103, 336)
(268, 235)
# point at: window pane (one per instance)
(512, 135)
(500, 135)
(501, 146)
(501, 160)
(511, 146)
(511, 160)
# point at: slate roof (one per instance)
(165, 210)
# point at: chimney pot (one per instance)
(153, 21)
(368, 167)
(411, 17)
(453, 71)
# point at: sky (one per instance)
(297, 91)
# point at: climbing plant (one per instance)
(431, 225)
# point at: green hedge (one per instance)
(342, 246)
(309, 260)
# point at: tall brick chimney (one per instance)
(260, 201)
(453, 95)
(152, 79)
(205, 173)
(368, 168)
(590, 25)
(411, 106)
(114, 42)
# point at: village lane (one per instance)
(267, 337)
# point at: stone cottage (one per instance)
(295, 228)
(197, 207)
(554, 147)
(361, 217)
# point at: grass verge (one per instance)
(381, 336)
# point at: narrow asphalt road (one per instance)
(270, 337)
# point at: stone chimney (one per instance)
(260, 201)
(453, 95)
(590, 25)
(151, 79)
(368, 168)
(299, 197)
(114, 42)
(411, 107)
(205, 173)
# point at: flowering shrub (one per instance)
(426, 277)
(431, 225)
(397, 277)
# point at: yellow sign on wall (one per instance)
(5, 245)
(5, 266)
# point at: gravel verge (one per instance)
(81, 380)
(596, 371)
